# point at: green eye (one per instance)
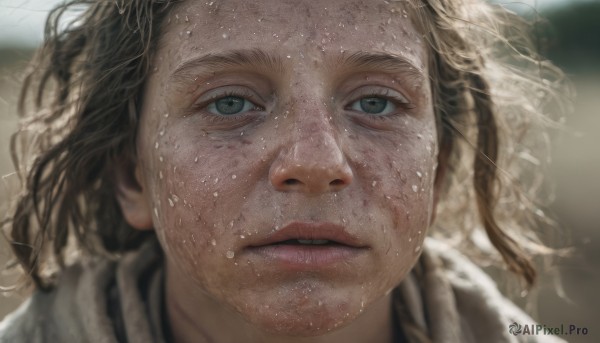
(230, 105)
(373, 105)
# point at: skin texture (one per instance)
(211, 184)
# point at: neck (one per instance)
(196, 317)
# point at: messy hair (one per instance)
(491, 93)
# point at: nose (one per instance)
(312, 162)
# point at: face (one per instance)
(287, 153)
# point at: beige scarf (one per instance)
(445, 299)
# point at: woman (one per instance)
(268, 171)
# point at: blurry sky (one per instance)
(22, 21)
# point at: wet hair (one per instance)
(491, 95)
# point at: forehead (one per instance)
(298, 27)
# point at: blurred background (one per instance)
(572, 41)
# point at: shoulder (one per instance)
(99, 299)
(484, 312)
(20, 326)
(61, 314)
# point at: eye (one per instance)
(373, 105)
(230, 105)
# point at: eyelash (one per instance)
(385, 94)
(246, 95)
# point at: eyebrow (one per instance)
(381, 62)
(261, 59)
(233, 58)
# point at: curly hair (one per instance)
(491, 95)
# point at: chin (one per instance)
(303, 316)
(302, 323)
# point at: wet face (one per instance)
(287, 154)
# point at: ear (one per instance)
(131, 196)
(445, 149)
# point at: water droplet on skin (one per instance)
(166, 115)
(189, 33)
(374, 183)
(171, 203)
(417, 248)
(288, 56)
(162, 132)
(160, 174)
(224, 36)
(175, 198)
(234, 176)
(242, 236)
(419, 136)
(213, 242)
(216, 194)
(156, 212)
(156, 145)
(160, 158)
(230, 254)
(196, 159)
(187, 20)
(415, 188)
(419, 174)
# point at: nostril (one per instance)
(291, 182)
(337, 182)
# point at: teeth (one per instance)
(313, 241)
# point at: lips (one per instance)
(310, 233)
(308, 246)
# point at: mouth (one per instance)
(308, 242)
(311, 234)
(308, 246)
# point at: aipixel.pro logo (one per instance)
(543, 330)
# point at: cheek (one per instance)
(398, 195)
(198, 187)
